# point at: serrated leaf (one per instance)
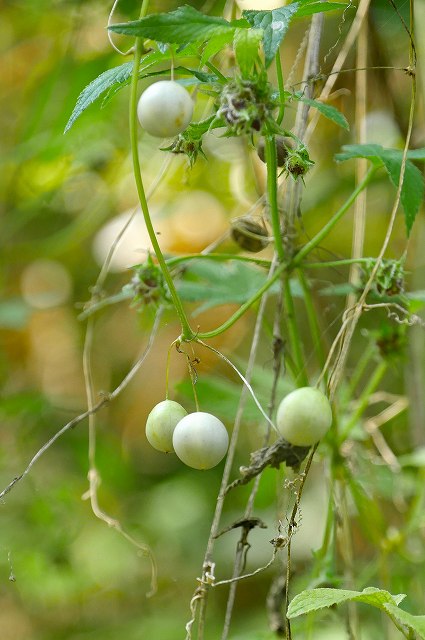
(183, 25)
(99, 85)
(416, 623)
(327, 110)
(245, 44)
(274, 24)
(112, 80)
(412, 193)
(315, 599)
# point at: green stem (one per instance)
(271, 160)
(294, 334)
(319, 237)
(281, 86)
(295, 262)
(219, 257)
(338, 263)
(217, 72)
(187, 333)
(363, 401)
(243, 308)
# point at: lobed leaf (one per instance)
(413, 189)
(274, 24)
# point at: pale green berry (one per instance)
(161, 423)
(165, 109)
(200, 440)
(304, 416)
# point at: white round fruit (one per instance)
(161, 423)
(165, 109)
(304, 416)
(200, 440)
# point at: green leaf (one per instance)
(117, 78)
(274, 24)
(201, 76)
(220, 396)
(416, 154)
(216, 44)
(416, 623)
(414, 459)
(183, 25)
(217, 284)
(413, 190)
(315, 599)
(308, 7)
(99, 85)
(326, 110)
(245, 44)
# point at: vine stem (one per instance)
(281, 86)
(294, 263)
(187, 333)
(319, 237)
(271, 160)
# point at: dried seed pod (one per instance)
(283, 145)
(249, 235)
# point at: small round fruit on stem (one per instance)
(249, 235)
(283, 146)
(200, 440)
(161, 423)
(165, 109)
(304, 416)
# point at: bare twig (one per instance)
(106, 398)
(228, 467)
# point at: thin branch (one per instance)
(105, 399)
(228, 468)
(339, 63)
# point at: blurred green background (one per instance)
(64, 574)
